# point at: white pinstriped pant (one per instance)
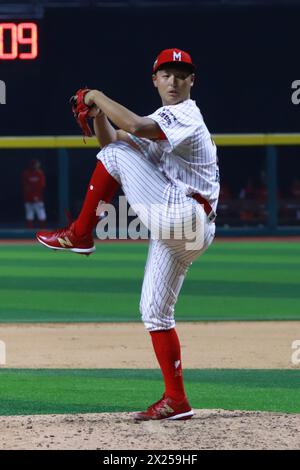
(168, 259)
(32, 208)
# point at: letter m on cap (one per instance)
(176, 55)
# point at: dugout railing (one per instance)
(270, 143)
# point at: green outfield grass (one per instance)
(232, 281)
(86, 391)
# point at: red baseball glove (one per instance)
(81, 111)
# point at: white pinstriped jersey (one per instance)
(188, 155)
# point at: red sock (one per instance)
(167, 349)
(102, 187)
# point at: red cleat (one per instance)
(166, 408)
(65, 239)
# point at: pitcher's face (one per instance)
(173, 84)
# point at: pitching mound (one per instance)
(209, 429)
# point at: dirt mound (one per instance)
(209, 429)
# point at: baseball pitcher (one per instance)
(168, 160)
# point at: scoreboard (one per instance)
(21, 76)
(19, 41)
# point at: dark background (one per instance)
(247, 57)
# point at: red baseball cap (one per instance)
(169, 56)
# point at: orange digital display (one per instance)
(18, 41)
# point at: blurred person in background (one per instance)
(34, 183)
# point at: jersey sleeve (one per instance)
(176, 125)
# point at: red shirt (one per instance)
(33, 185)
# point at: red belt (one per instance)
(206, 205)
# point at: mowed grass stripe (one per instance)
(192, 287)
(213, 308)
(71, 259)
(86, 391)
(202, 270)
(92, 307)
(64, 258)
(261, 253)
(68, 306)
(105, 271)
(242, 244)
(268, 249)
(218, 285)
